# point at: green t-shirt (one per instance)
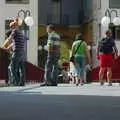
(82, 49)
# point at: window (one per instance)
(7, 27)
(53, 15)
(117, 33)
(99, 4)
(114, 3)
(99, 31)
(56, 12)
(17, 1)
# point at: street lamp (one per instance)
(26, 18)
(107, 19)
(25, 21)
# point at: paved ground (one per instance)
(67, 89)
(65, 102)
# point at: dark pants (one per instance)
(51, 69)
(16, 69)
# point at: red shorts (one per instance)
(106, 60)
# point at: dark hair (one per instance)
(51, 26)
(108, 31)
(78, 37)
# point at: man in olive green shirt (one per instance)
(51, 67)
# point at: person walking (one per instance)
(16, 41)
(105, 51)
(51, 67)
(81, 55)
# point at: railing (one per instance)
(115, 72)
(33, 73)
(36, 75)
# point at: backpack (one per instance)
(106, 45)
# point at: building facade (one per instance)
(70, 16)
(74, 17)
(9, 10)
(62, 12)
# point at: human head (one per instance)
(14, 24)
(50, 28)
(108, 33)
(78, 37)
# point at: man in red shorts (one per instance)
(105, 51)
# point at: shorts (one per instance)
(106, 60)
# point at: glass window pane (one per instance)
(99, 4)
(117, 35)
(7, 27)
(114, 3)
(17, 1)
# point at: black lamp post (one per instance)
(107, 19)
(108, 22)
(25, 22)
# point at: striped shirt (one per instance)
(53, 43)
(18, 41)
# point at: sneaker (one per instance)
(46, 84)
(54, 84)
(110, 84)
(43, 84)
(21, 84)
(77, 84)
(101, 83)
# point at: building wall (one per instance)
(70, 13)
(42, 10)
(9, 11)
(88, 10)
(73, 10)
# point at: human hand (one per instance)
(4, 48)
(116, 56)
(88, 67)
(98, 57)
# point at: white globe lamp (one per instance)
(29, 21)
(46, 47)
(116, 21)
(20, 21)
(105, 21)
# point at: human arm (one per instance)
(98, 50)
(72, 50)
(115, 51)
(8, 41)
(88, 54)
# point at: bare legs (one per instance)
(101, 75)
(109, 76)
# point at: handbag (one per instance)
(72, 58)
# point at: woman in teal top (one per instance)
(81, 56)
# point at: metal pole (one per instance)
(115, 11)
(21, 11)
(27, 13)
(108, 13)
